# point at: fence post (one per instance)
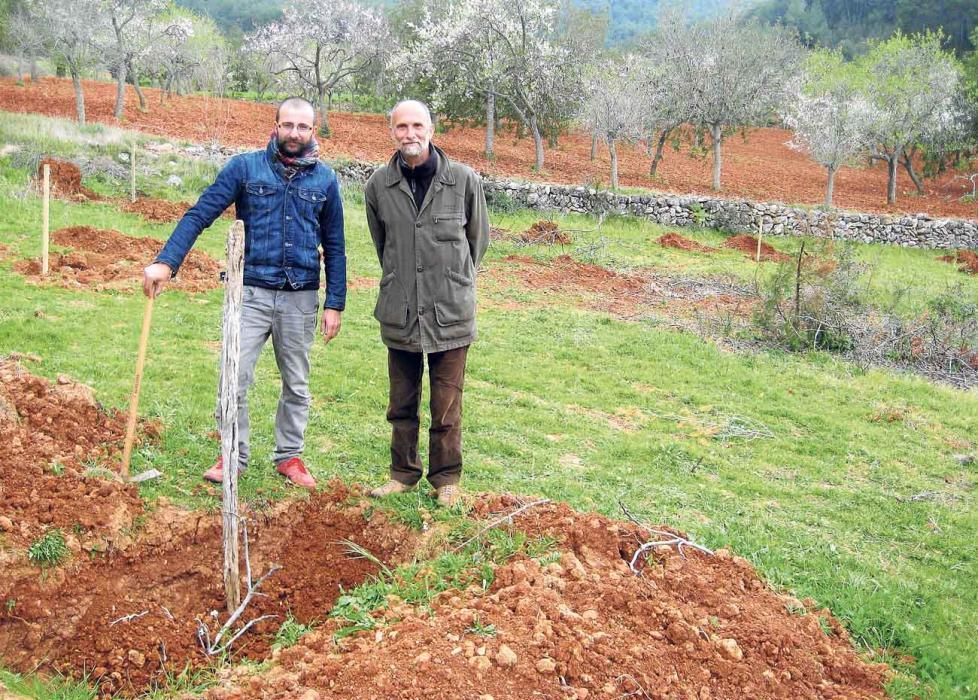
(230, 351)
(132, 172)
(45, 218)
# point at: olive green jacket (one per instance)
(429, 257)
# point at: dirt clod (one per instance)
(748, 245)
(544, 232)
(675, 240)
(65, 180)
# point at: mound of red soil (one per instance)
(966, 260)
(690, 626)
(544, 233)
(65, 180)
(164, 211)
(131, 617)
(159, 210)
(748, 245)
(108, 259)
(674, 240)
(49, 434)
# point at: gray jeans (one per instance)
(289, 317)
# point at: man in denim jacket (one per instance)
(290, 204)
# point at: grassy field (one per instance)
(805, 465)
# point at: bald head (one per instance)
(294, 104)
(411, 131)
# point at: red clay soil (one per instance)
(966, 260)
(748, 245)
(674, 240)
(107, 259)
(163, 211)
(544, 232)
(127, 606)
(49, 433)
(761, 167)
(690, 626)
(65, 181)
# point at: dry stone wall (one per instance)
(735, 216)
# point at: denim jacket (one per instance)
(286, 222)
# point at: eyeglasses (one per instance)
(303, 129)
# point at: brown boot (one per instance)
(390, 488)
(448, 495)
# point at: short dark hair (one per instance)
(294, 101)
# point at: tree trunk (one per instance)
(120, 89)
(830, 186)
(324, 130)
(594, 146)
(34, 71)
(490, 124)
(716, 130)
(134, 79)
(659, 147)
(537, 143)
(908, 166)
(79, 96)
(613, 150)
(891, 169)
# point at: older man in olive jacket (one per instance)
(428, 221)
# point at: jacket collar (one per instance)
(443, 173)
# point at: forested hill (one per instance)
(848, 23)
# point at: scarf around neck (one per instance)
(290, 165)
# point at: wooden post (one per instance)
(45, 218)
(760, 234)
(230, 351)
(132, 172)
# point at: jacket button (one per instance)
(288, 218)
(417, 224)
(421, 311)
(420, 268)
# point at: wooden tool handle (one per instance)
(134, 398)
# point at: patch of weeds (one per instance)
(56, 468)
(289, 633)
(58, 687)
(543, 548)
(189, 681)
(481, 629)
(10, 605)
(697, 213)
(356, 607)
(501, 202)
(49, 550)
(95, 471)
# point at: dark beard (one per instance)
(291, 148)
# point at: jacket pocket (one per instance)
(311, 203)
(449, 226)
(261, 196)
(392, 307)
(459, 303)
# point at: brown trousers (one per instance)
(446, 375)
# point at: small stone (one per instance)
(480, 663)
(6, 524)
(136, 658)
(309, 694)
(546, 665)
(506, 656)
(730, 649)
(964, 460)
(422, 658)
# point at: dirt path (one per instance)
(761, 167)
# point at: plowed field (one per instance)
(759, 167)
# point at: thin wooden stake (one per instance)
(760, 234)
(45, 219)
(137, 382)
(132, 172)
(230, 351)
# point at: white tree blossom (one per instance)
(188, 53)
(830, 117)
(615, 106)
(131, 33)
(730, 73)
(321, 43)
(72, 42)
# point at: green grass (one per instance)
(803, 464)
(48, 550)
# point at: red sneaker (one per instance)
(216, 473)
(295, 470)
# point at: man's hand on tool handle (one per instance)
(155, 277)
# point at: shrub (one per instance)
(49, 550)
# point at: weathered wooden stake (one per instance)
(760, 235)
(230, 351)
(45, 218)
(136, 384)
(132, 172)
